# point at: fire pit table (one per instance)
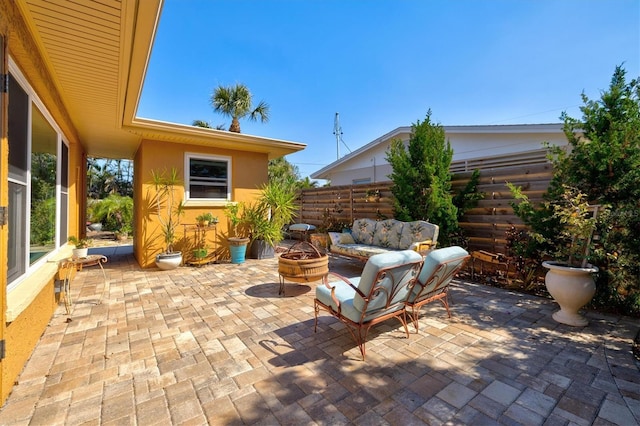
(302, 263)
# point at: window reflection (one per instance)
(43, 186)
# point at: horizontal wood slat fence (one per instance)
(484, 225)
(487, 223)
(332, 205)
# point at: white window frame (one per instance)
(35, 101)
(188, 156)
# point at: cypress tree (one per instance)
(421, 178)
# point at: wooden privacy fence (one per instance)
(485, 225)
(330, 206)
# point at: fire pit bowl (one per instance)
(302, 263)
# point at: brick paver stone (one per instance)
(217, 345)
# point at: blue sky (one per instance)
(382, 64)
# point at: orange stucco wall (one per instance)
(248, 172)
(22, 333)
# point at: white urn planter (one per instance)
(80, 253)
(168, 261)
(571, 287)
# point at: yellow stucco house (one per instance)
(72, 74)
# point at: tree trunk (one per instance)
(235, 125)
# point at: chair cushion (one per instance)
(434, 259)
(344, 293)
(370, 271)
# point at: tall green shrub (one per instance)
(604, 162)
(115, 212)
(421, 178)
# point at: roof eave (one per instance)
(179, 133)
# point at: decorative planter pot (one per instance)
(238, 249)
(261, 250)
(200, 253)
(97, 227)
(572, 288)
(320, 240)
(80, 253)
(168, 261)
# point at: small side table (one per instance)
(303, 229)
(78, 263)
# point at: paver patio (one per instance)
(217, 345)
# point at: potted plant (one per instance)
(123, 233)
(237, 242)
(320, 238)
(201, 251)
(205, 219)
(265, 219)
(569, 238)
(168, 209)
(82, 246)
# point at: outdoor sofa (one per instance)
(392, 285)
(368, 237)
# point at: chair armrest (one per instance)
(342, 279)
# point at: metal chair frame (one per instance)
(385, 283)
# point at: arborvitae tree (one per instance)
(421, 178)
(604, 162)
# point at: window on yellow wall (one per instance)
(208, 177)
(38, 181)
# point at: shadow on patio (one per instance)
(217, 345)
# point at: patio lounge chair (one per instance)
(439, 268)
(380, 293)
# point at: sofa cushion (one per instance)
(358, 250)
(417, 231)
(346, 238)
(388, 234)
(363, 230)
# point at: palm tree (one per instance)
(235, 102)
(308, 183)
(201, 123)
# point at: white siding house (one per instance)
(474, 147)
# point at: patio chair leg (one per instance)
(414, 317)
(404, 324)
(446, 305)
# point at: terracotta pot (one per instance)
(320, 240)
(572, 288)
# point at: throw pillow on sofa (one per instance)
(346, 238)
